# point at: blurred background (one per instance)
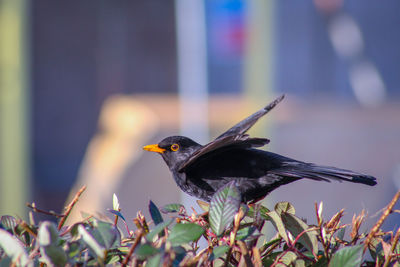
(84, 85)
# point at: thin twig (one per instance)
(27, 228)
(228, 256)
(270, 249)
(116, 219)
(140, 233)
(51, 213)
(236, 223)
(257, 257)
(293, 244)
(193, 261)
(68, 209)
(245, 258)
(392, 249)
(302, 255)
(375, 229)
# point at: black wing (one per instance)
(235, 141)
(235, 136)
(243, 126)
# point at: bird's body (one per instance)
(250, 168)
(201, 170)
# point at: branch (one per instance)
(68, 209)
(375, 229)
(51, 213)
(134, 245)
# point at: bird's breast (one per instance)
(199, 189)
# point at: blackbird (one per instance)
(201, 170)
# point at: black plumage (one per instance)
(233, 156)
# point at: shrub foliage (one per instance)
(227, 233)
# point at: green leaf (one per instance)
(74, 248)
(145, 250)
(269, 244)
(268, 261)
(284, 207)
(376, 249)
(14, 249)
(158, 229)
(171, 208)
(106, 234)
(348, 257)
(118, 213)
(263, 212)
(397, 248)
(47, 234)
(299, 263)
(23, 234)
(184, 233)
(253, 209)
(124, 250)
(223, 207)
(112, 260)
(155, 213)
(50, 245)
(258, 210)
(278, 224)
(320, 209)
(288, 257)
(296, 226)
(54, 255)
(74, 230)
(5, 261)
(98, 249)
(9, 222)
(322, 262)
(218, 252)
(115, 202)
(154, 261)
(203, 205)
(246, 232)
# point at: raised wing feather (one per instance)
(235, 136)
(243, 126)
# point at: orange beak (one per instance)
(154, 148)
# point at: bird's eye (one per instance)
(175, 147)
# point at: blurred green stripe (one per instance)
(258, 71)
(14, 107)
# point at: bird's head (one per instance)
(174, 150)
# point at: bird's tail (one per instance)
(324, 173)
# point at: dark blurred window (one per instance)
(83, 51)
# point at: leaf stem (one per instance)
(140, 234)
